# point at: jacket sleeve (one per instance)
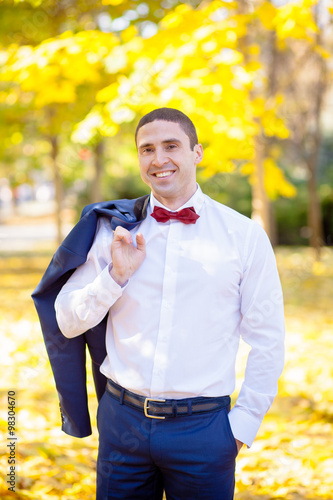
(68, 356)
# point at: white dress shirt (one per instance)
(173, 330)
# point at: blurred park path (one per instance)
(22, 237)
(31, 227)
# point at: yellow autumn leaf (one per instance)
(247, 168)
(266, 13)
(107, 93)
(86, 129)
(295, 20)
(129, 33)
(61, 92)
(258, 106)
(112, 2)
(254, 50)
(318, 268)
(275, 182)
(109, 129)
(228, 57)
(174, 18)
(325, 54)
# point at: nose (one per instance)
(160, 158)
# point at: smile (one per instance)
(163, 174)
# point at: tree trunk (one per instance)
(314, 209)
(57, 186)
(315, 216)
(96, 191)
(262, 211)
(260, 202)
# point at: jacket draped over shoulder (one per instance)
(68, 356)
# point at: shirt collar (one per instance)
(196, 201)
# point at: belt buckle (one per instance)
(145, 407)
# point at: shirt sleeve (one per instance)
(90, 291)
(262, 327)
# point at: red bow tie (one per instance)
(186, 215)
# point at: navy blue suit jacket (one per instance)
(68, 356)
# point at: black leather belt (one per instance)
(166, 408)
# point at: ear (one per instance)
(198, 153)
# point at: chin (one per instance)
(166, 193)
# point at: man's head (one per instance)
(170, 115)
(167, 160)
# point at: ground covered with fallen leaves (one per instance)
(292, 457)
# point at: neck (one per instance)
(174, 204)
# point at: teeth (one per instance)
(163, 174)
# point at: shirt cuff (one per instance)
(106, 288)
(110, 266)
(243, 426)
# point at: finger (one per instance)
(123, 234)
(140, 242)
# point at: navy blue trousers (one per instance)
(189, 457)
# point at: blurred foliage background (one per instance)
(254, 76)
(256, 79)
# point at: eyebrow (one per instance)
(166, 141)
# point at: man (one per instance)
(179, 289)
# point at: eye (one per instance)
(171, 146)
(146, 150)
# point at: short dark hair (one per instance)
(170, 115)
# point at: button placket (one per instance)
(167, 308)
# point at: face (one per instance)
(167, 163)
